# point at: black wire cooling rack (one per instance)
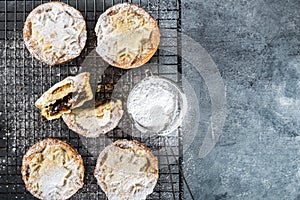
(23, 80)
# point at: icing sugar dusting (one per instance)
(54, 173)
(126, 33)
(154, 104)
(56, 32)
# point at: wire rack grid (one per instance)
(23, 80)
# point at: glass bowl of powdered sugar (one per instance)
(156, 105)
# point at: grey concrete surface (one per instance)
(256, 46)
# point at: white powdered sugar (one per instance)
(52, 170)
(156, 105)
(126, 34)
(126, 170)
(55, 32)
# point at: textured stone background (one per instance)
(255, 45)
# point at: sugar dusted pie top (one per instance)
(94, 121)
(127, 170)
(52, 169)
(128, 36)
(55, 33)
